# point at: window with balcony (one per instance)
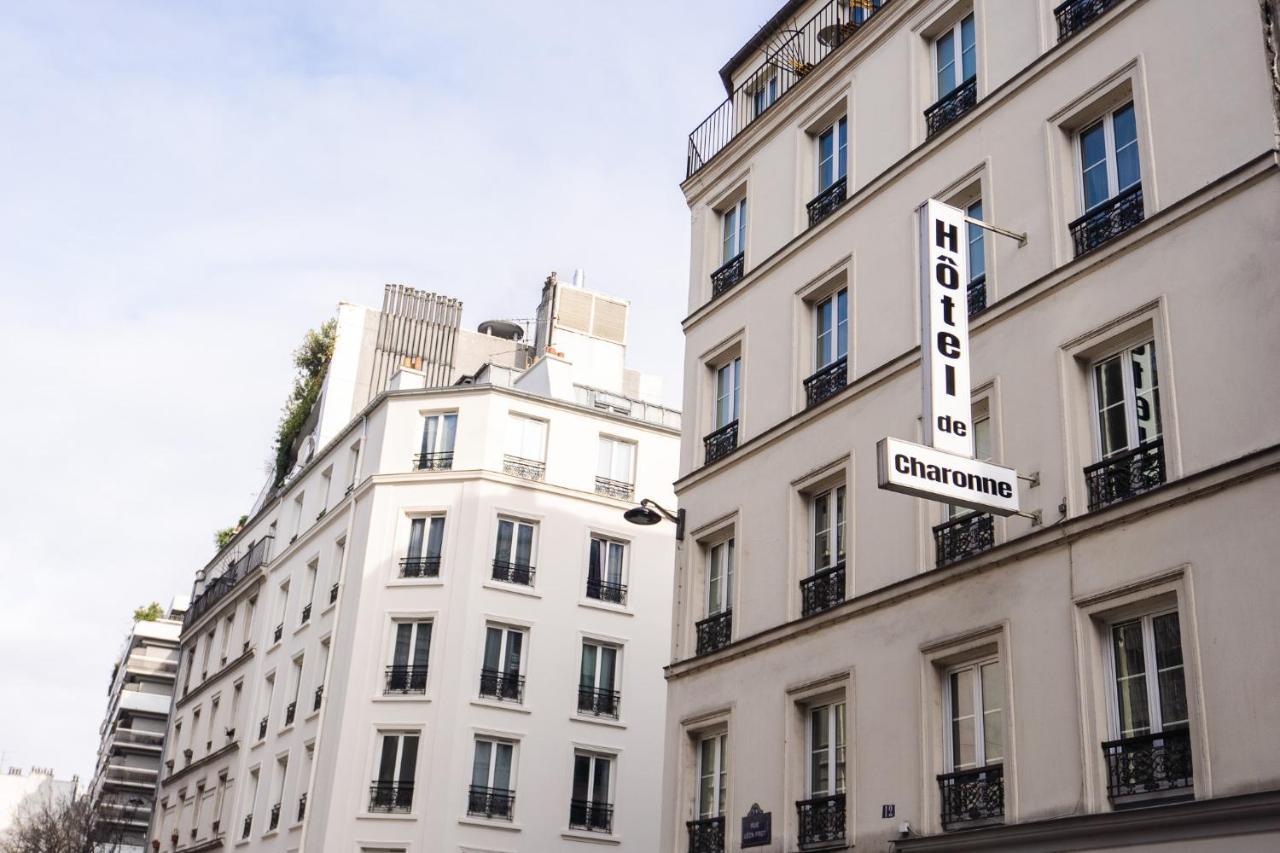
(392, 789)
(598, 693)
(591, 803)
(606, 570)
(1074, 15)
(502, 672)
(977, 287)
(716, 629)
(312, 573)
(1128, 434)
(824, 588)
(410, 652)
(426, 541)
(706, 832)
(492, 792)
(963, 532)
(955, 66)
(821, 815)
(251, 795)
(831, 348)
(436, 450)
(526, 455)
(295, 687)
(513, 553)
(972, 789)
(615, 468)
(833, 163)
(723, 439)
(1110, 179)
(277, 792)
(733, 245)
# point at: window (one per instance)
(728, 392)
(972, 789)
(426, 540)
(733, 231)
(591, 806)
(764, 95)
(392, 790)
(409, 657)
(824, 587)
(353, 466)
(981, 451)
(297, 516)
(438, 432)
(308, 760)
(295, 686)
(713, 772)
(267, 693)
(500, 677)
(977, 287)
(597, 693)
(513, 553)
(821, 816)
(313, 572)
(527, 438)
(277, 791)
(605, 571)
(833, 157)
(955, 56)
(831, 324)
(1109, 157)
(281, 610)
(1128, 429)
(213, 723)
(492, 791)
(720, 578)
(227, 627)
(615, 468)
(209, 640)
(326, 483)
(237, 694)
(251, 792)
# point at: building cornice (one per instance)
(199, 689)
(249, 583)
(469, 474)
(175, 776)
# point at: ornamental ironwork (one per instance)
(315, 705)
(518, 573)
(951, 106)
(496, 684)
(977, 293)
(290, 711)
(614, 593)
(962, 538)
(525, 469)
(275, 817)
(821, 819)
(406, 679)
(1074, 15)
(615, 489)
(262, 728)
(306, 613)
(278, 633)
(590, 815)
(714, 632)
(1149, 764)
(826, 202)
(248, 825)
(333, 593)
(727, 275)
(420, 567)
(1126, 475)
(600, 703)
(491, 802)
(433, 461)
(972, 795)
(722, 442)
(822, 590)
(826, 382)
(1108, 220)
(217, 588)
(302, 807)
(390, 796)
(706, 835)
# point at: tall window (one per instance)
(605, 572)
(513, 554)
(1150, 688)
(591, 807)
(392, 790)
(955, 56)
(251, 796)
(438, 433)
(831, 325)
(1109, 157)
(492, 779)
(977, 250)
(734, 231)
(720, 578)
(409, 657)
(981, 451)
(713, 771)
(615, 460)
(728, 392)
(1127, 399)
(826, 738)
(833, 157)
(503, 661)
(527, 438)
(827, 516)
(426, 539)
(764, 96)
(975, 708)
(597, 683)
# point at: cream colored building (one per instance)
(877, 671)
(440, 634)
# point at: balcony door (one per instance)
(599, 668)
(955, 56)
(492, 767)
(606, 565)
(712, 776)
(728, 392)
(426, 537)
(438, 433)
(826, 512)
(975, 715)
(733, 231)
(826, 742)
(515, 542)
(503, 650)
(720, 578)
(831, 324)
(592, 778)
(1109, 162)
(410, 655)
(396, 767)
(833, 153)
(1127, 400)
(1150, 692)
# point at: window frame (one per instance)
(719, 776)
(1110, 160)
(525, 421)
(437, 443)
(1150, 671)
(594, 756)
(600, 646)
(516, 522)
(401, 735)
(614, 443)
(835, 495)
(1129, 401)
(832, 748)
(733, 231)
(504, 646)
(726, 574)
(838, 130)
(979, 714)
(494, 742)
(733, 366)
(956, 33)
(832, 332)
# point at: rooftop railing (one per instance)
(218, 588)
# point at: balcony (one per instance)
(525, 469)
(132, 777)
(433, 461)
(826, 202)
(333, 593)
(1107, 220)
(977, 294)
(1149, 766)
(972, 797)
(491, 802)
(962, 538)
(306, 613)
(951, 106)
(727, 275)
(821, 820)
(706, 835)
(504, 686)
(277, 633)
(826, 382)
(274, 822)
(302, 807)
(1126, 475)
(290, 711)
(248, 826)
(1074, 15)
(420, 567)
(236, 571)
(714, 632)
(142, 664)
(614, 593)
(517, 573)
(142, 741)
(822, 590)
(262, 728)
(722, 442)
(598, 703)
(389, 797)
(615, 489)
(406, 679)
(590, 816)
(794, 54)
(315, 705)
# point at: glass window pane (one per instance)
(409, 759)
(945, 55)
(1131, 679)
(429, 430)
(1096, 190)
(524, 544)
(842, 324)
(840, 524)
(968, 49)
(505, 531)
(416, 527)
(581, 776)
(963, 748)
(615, 562)
(819, 751)
(422, 644)
(387, 761)
(600, 787)
(1142, 360)
(604, 457)
(608, 666)
(992, 710)
(492, 647)
(714, 580)
(435, 537)
(502, 765)
(1168, 640)
(587, 676)
(707, 779)
(515, 640)
(822, 531)
(594, 559)
(822, 354)
(826, 159)
(448, 429)
(842, 165)
(982, 438)
(1124, 127)
(730, 233)
(480, 764)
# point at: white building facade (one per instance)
(883, 672)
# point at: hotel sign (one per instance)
(928, 473)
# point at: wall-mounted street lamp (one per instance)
(651, 512)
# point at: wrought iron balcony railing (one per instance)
(951, 106)
(406, 679)
(706, 835)
(507, 686)
(306, 613)
(615, 489)
(315, 705)
(1074, 15)
(977, 293)
(302, 807)
(491, 802)
(826, 382)
(513, 572)
(1126, 475)
(420, 567)
(614, 593)
(600, 703)
(727, 275)
(1108, 220)
(1154, 764)
(236, 571)
(525, 469)
(262, 728)
(821, 819)
(970, 796)
(290, 711)
(822, 590)
(826, 202)
(714, 632)
(275, 817)
(722, 442)
(962, 538)
(391, 796)
(333, 592)
(590, 816)
(277, 633)
(433, 461)
(248, 826)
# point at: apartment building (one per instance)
(36, 788)
(139, 696)
(440, 633)
(857, 668)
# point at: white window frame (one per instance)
(979, 715)
(608, 541)
(600, 646)
(733, 231)
(493, 743)
(832, 748)
(838, 524)
(719, 776)
(591, 774)
(1150, 671)
(503, 646)
(400, 735)
(764, 95)
(428, 522)
(437, 444)
(956, 31)
(725, 572)
(1111, 162)
(838, 130)
(1130, 402)
(832, 347)
(524, 423)
(516, 523)
(732, 369)
(614, 444)
(417, 622)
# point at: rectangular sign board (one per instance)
(925, 472)
(757, 828)
(944, 334)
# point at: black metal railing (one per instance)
(290, 711)
(951, 106)
(615, 488)
(525, 469)
(822, 590)
(433, 461)
(826, 382)
(513, 572)
(1074, 15)
(306, 613)
(302, 807)
(420, 567)
(722, 442)
(977, 294)
(600, 703)
(333, 592)
(1108, 220)
(1126, 475)
(962, 538)
(714, 632)
(491, 802)
(406, 679)
(248, 826)
(277, 633)
(615, 593)
(496, 684)
(236, 571)
(826, 202)
(315, 705)
(390, 796)
(706, 835)
(274, 821)
(821, 819)
(590, 815)
(1149, 764)
(727, 275)
(972, 795)
(795, 53)
(262, 727)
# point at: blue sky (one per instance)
(188, 187)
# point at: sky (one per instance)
(186, 188)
